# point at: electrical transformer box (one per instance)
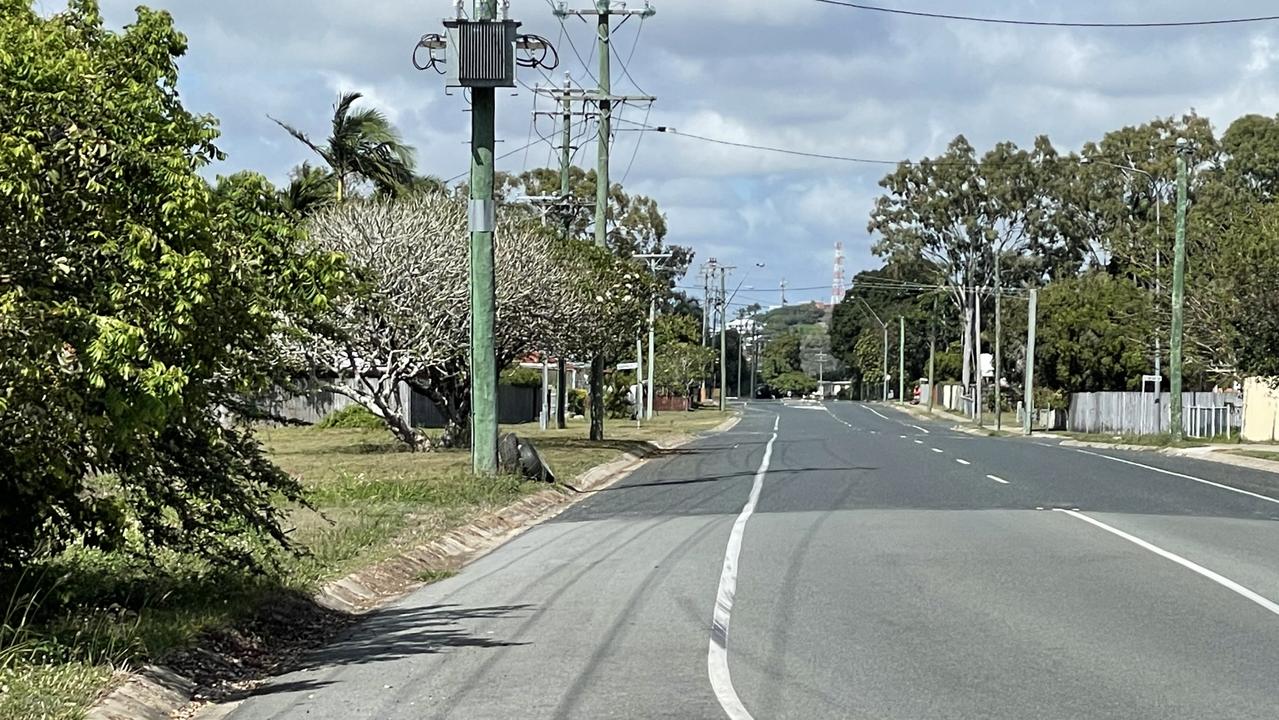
(481, 54)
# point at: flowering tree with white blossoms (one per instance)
(410, 324)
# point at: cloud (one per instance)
(794, 74)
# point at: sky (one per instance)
(796, 74)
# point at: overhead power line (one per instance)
(974, 162)
(1051, 23)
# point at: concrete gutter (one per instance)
(156, 693)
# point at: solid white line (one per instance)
(998, 479)
(717, 652)
(867, 407)
(1184, 476)
(961, 461)
(936, 450)
(920, 429)
(1194, 567)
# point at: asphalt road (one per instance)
(883, 568)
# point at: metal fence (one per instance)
(1206, 414)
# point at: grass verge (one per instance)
(1258, 454)
(1159, 441)
(72, 622)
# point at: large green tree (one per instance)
(138, 305)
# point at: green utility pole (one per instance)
(606, 124)
(1178, 292)
(723, 339)
(566, 158)
(999, 391)
(932, 357)
(1028, 404)
(901, 359)
(483, 280)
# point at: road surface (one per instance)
(845, 561)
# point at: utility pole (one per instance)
(901, 358)
(885, 392)
(566, 159)
(977, 355)
(639, 380)
(1029, 402)
(1178, 288)
(483, 277)
(652, 259)
(723, 338)
(932, 356)
(999, 393)
(821, 376)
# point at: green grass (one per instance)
(80, 616)
(1163, 440)
(434, 576)
(1258, 454)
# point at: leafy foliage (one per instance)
(795, 384)
(138, 305)
(351, 417)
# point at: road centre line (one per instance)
(1189, 565)
(919, 442)
(962, 461)
(717, 650)
(867, 407)
(998, 479)
(1259, 496)
(936, 450)
(924, 431)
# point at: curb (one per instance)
(156, 693)
(1208, 454)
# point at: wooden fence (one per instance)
(1205, 414)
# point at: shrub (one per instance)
(521, 377)
(351, 417)
(575, 401)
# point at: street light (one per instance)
(884, 325)
(652, 259)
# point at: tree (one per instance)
(310, 188)
(139, 306)
(638, 224)
(781, 355)
(412, 323)
(1092, 335)
(797, 384)
(363, 145)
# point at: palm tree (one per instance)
(310, 188)
(363, 145)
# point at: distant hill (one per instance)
(802, 317)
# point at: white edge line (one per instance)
(998, 479)
(717, 648)
(962, 461)
(1184, 476)
(867, 407)
(1193, 567)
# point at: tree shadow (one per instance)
(385, 635)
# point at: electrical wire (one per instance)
(975, 163)
(1049, 23)
(638, 141)
(503, 156)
